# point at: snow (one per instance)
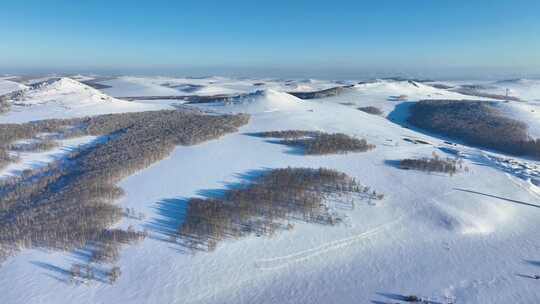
(472, 236)
(261, 101)
(7, 86)
(67, 98)
(525, 89)
(34, 160)
(128, 86)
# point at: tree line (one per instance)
(476, 123)
(371, 110)
(318, 143)
(272, 202)
(68, 203)
(433, 164)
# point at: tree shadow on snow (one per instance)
(171, 212)
(526, 276)
(245, 179)
(66, 276)
(400, 297)
(293, 149)
(170, 215)
(532, 262)
(393, 163)
(400, 114)
(60, 273)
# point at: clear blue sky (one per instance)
(382, 35)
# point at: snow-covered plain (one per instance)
(471, 237)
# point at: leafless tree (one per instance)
(319, 143)
(269, 204)
(371, 110)
(67, 204)
(477, 123)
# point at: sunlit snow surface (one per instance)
(472, 236)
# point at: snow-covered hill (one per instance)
(63, 91)
(8, 86)
(471, 237)
(263, 101)
(64, 98)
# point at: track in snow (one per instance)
(284, 261)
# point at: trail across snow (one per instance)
(286, 260)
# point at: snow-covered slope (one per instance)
(471, 237)
(7, 86)
(262, 101)
(64, 91)
(206, 86)
(63, 98)
(526, 89)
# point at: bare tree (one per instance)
(318, 143)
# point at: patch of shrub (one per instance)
(5, 158)
(287, 134)
(322, 93)
(319, 143)
(270, 203)
(441, 86)
(476, 123)
(10, 133)
(4, 103)
(434, 164)
(371, 110)
(67, 204)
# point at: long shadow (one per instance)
(54, 272)
(65, 275)
(400, 114)
(50, 267)
(532, 262)
(245, 179)
(526, 276)
(399, 297)
(293, 149)
(394, 163)
(170, 215)
(172, 212)
(498, 197)
(392, 296)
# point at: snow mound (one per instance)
(267, 101)
(481, 218)
(65, 91)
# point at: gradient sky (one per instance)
(382, 35)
